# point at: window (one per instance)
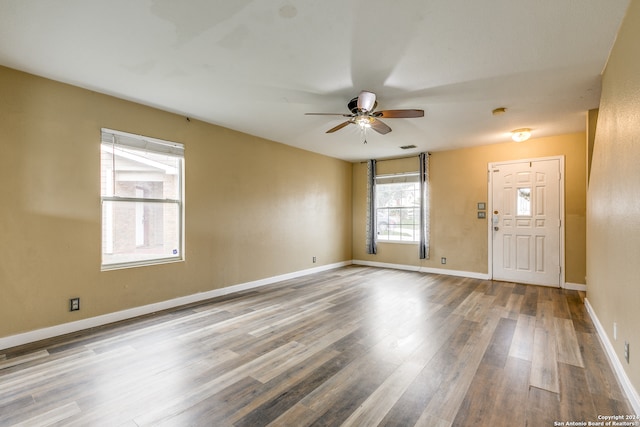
(142, 200)
(524, 202)
(398, 207)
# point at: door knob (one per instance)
(496, 228)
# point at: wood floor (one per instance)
(356, 346)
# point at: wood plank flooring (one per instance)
(355, 346)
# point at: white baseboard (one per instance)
(92, 322)
(66, 328)
(575, 286)
(457, 273)
(624, 380)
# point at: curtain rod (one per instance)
(396, 158)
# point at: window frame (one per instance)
(150, 145)
(398, 178)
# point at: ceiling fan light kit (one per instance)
(364, 115)
(364, 121)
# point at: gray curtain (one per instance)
(371, 207)
(424, 205)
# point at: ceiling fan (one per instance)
(363, 114)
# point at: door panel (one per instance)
(526, 221)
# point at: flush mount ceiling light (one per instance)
(521, 135)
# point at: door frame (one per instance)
(561, 249)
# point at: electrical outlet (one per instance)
(443, 260)
(626, 351)
(314, 260)
(74, 304)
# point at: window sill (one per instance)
(400, 242)
(123, 266)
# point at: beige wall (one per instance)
(254, 208)
(592, 121)
(458, 183)
(613, 229)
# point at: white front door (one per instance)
(525, 221)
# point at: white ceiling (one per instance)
(258, 65)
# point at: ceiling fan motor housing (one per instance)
(353, 105)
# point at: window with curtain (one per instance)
(142, 200)
(398, 207)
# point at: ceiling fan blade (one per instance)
(366, 100)
(380, 127)
(399, 114)
(327, 114)
(340, 126)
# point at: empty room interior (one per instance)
(319, 213)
